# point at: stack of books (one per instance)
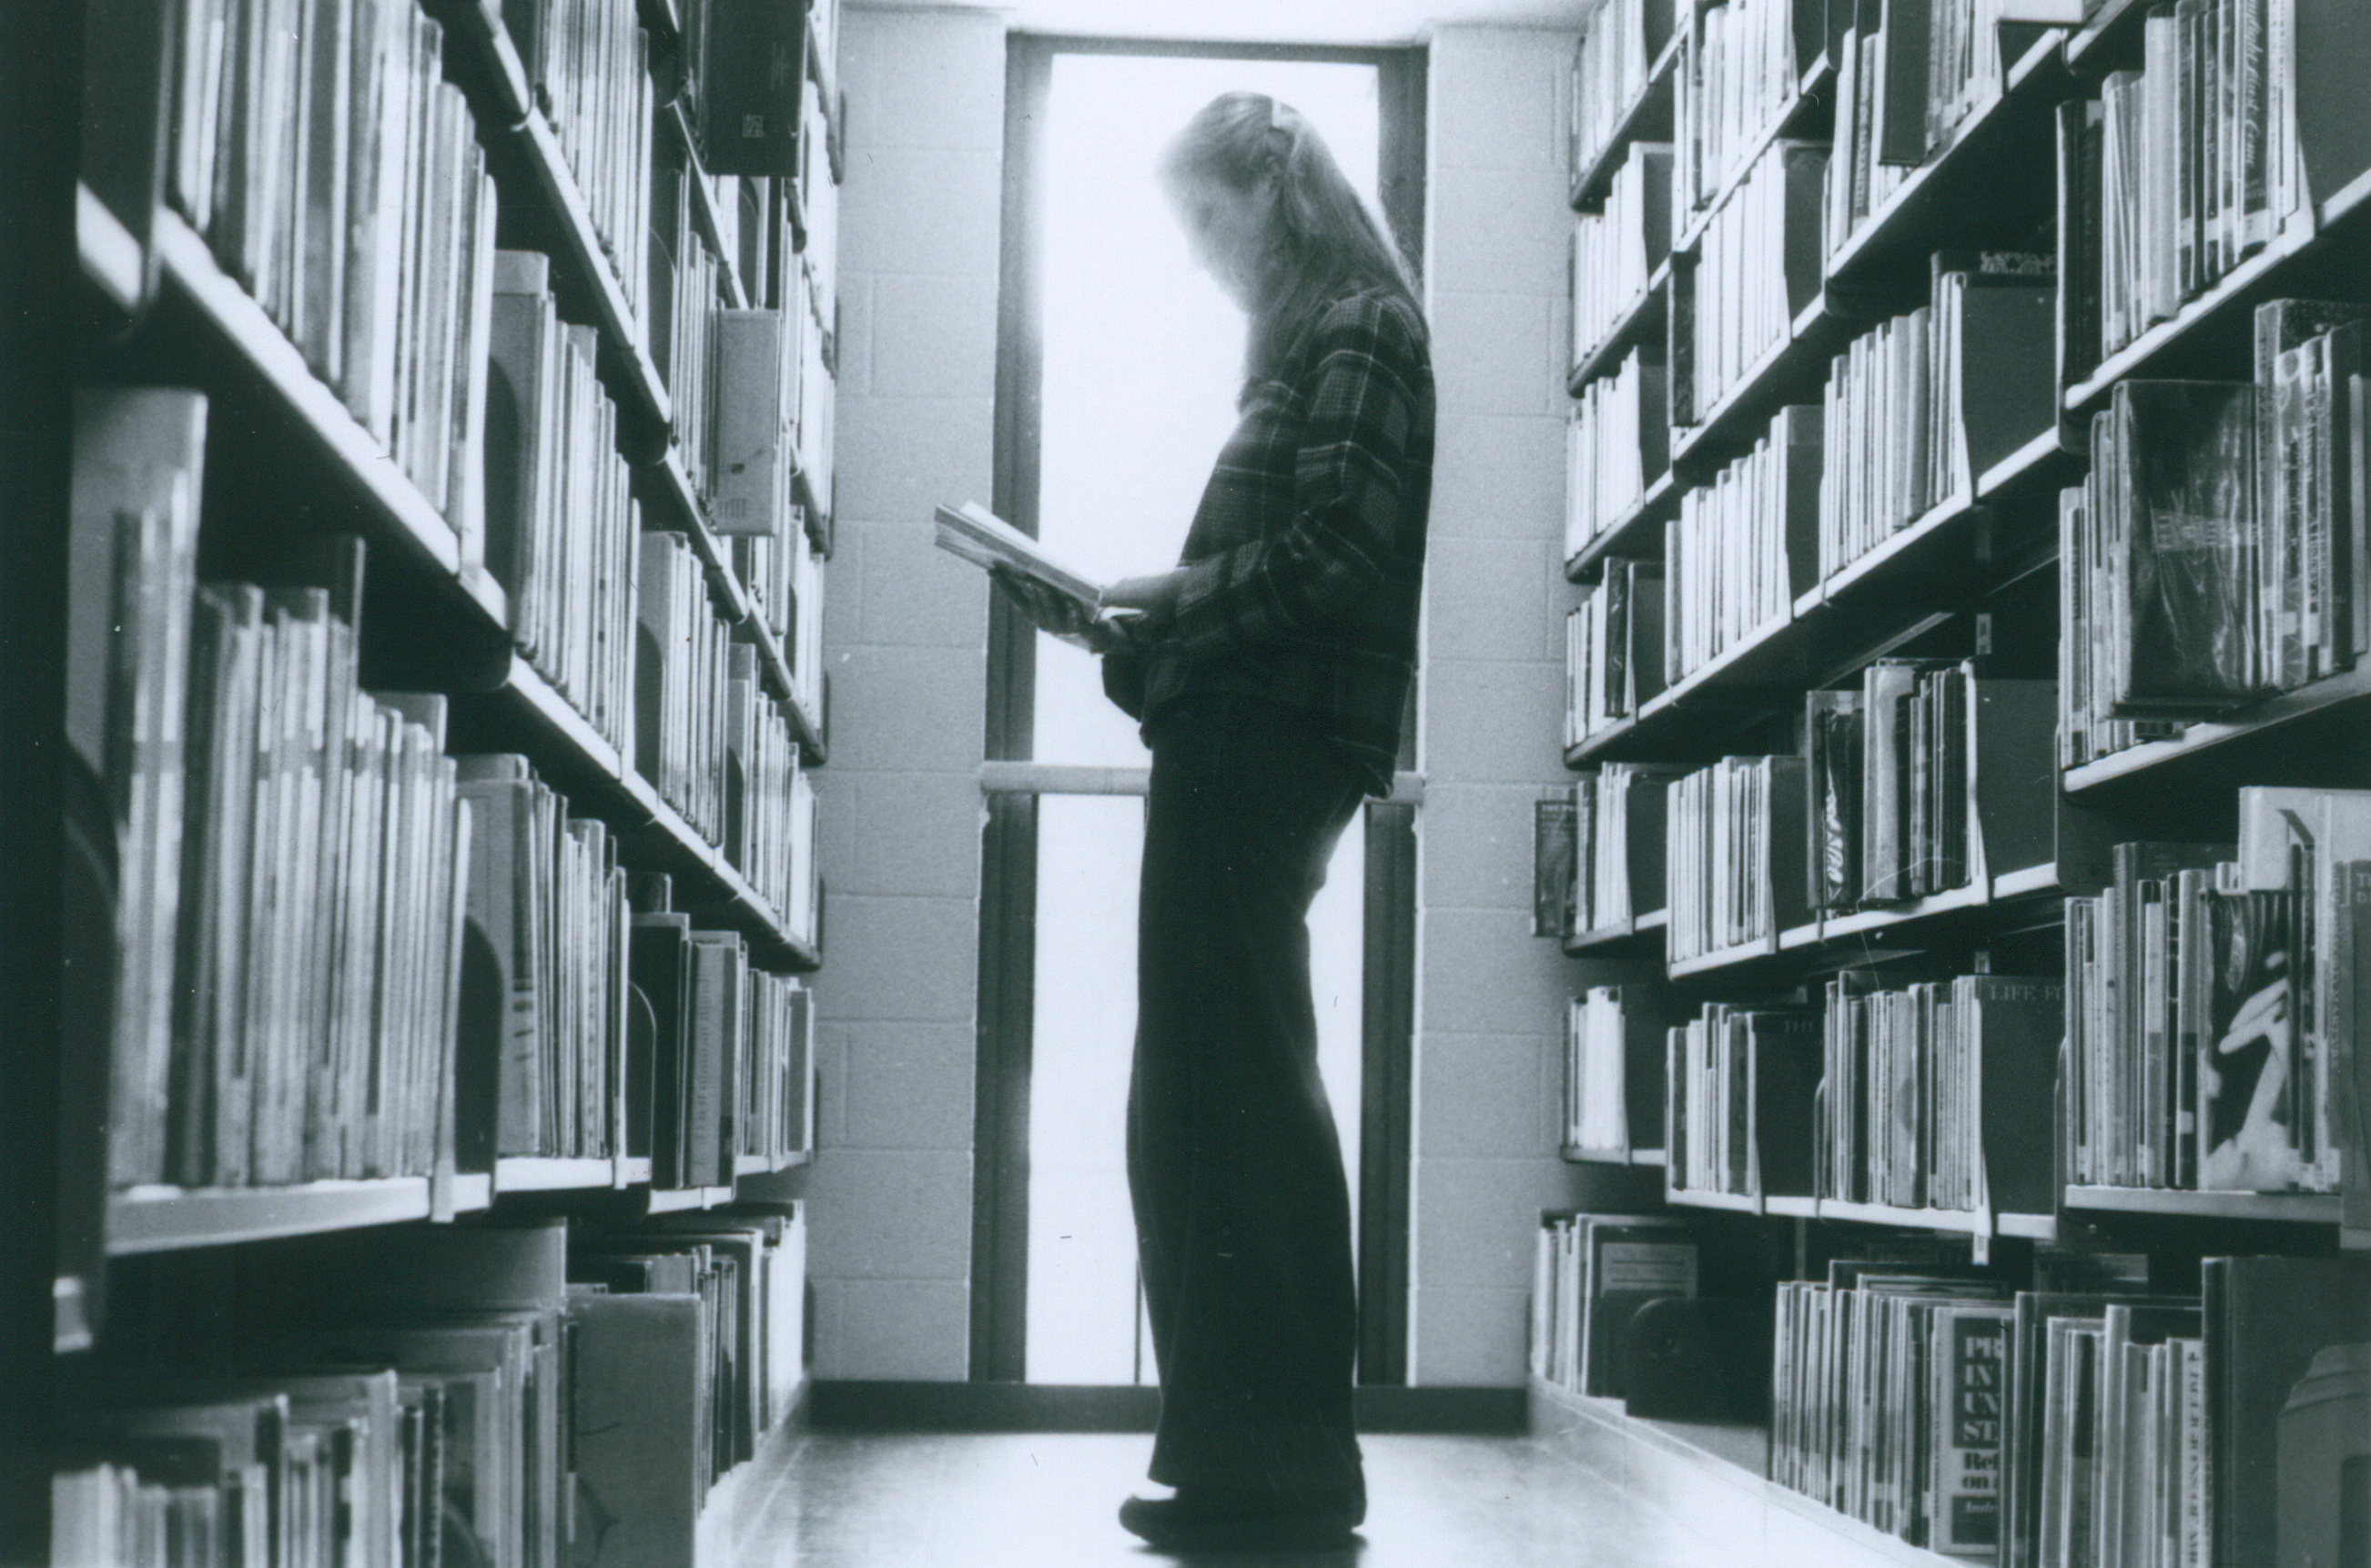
(1741, 549)
(562, 523)
(1617, 443)
(1613, 648)
(1756, 272)
(1592, 1273)
(1938, 1095)
(1737, 835)
(2211, 994)
(1742, 1086)
(1614, 1070)
(1619, 41)
(1616, 250)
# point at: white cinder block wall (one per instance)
(1490, 997)
(906, 634)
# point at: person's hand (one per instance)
(1154, 597)
(1061, 615)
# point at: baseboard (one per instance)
(854, 1405)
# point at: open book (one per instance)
(987, 540)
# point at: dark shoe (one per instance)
(1201, 1518)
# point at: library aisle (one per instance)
(846, 1500)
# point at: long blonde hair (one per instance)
(1324, 242)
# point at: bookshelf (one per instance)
(1973, 575)
(387, 978)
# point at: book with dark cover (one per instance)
(498, 1066)
(641, 1423)
(1613, 671)
(1648, 619)
(1630, 1262)
(1968, 1427)
(130, 592)
(2078, 219)
(2279, 1482)
(751, 78)
(2001, 394)
(1784, 1064)
(1899, 134)
(1554, 865)
(1833, 733)
(2005, 779)
(2330, 59)
(2017, 1023)
(2172, 472)
(656, 1042)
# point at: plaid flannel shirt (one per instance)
(1305, 560)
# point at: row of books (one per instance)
(1743, 70)
(1620, 41)
(1969, 46)
(2212, 997)
(818, 188)
(2089, 1421)
(2215, 551)
(1756, 272)
(1735, 847)
(588, 68)
(681, 686)
(2125, 1451)
(518, 1397)
(341, 953)
(1617, 443)
(1742, 1087)
(1880, 126)
(1736, 557)
(1598, 850)
(1878, 1379)
(1615, 1039)
(1926, 777)
(1592, 1273)
(285, 846)
(717, 1293)
(729, 1070)
(684, 332)
(1936, 1095)
(769, 798)
(561, 521)
(365, 232)
(1930, 778)
(818, 361)
(545, 1035)
(785, 578)
(1922, 405)
(2191, 158)
(1613, 648)
(1617, 249)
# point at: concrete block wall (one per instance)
(1490, 997)
(906, 633)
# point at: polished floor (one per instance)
(830, 1500)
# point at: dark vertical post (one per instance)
(41, 78)
(1387, 1094)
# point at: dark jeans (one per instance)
(1242, 1213)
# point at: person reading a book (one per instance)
(1270, 671)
